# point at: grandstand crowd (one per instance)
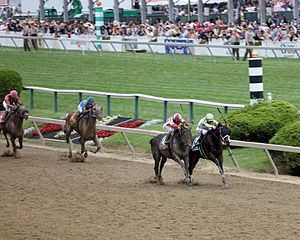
(275, 29)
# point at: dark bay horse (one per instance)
(178, 150)
(211, 148)
(86, 128)
(13, 127)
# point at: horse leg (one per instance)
(97, 143)
(68, 131)
(83, 149)
(13, 143)
(7, 142)
(221, 170)
(182, 165)
(20, 142)
(162, 163)
(188, 177)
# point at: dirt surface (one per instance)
(45, 196)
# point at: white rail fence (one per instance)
(135, 96)
(164, 45)
(123, 131)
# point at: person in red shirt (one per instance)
(10, 103)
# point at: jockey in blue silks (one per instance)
(85, 106)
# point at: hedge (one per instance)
(9, 80)
(288, 163)
(261, 121)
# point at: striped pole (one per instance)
(99, 20)
(256, 80)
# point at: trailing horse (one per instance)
(178, 150)
(211, 148)
(13, 127)
(85, 126)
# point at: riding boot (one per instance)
(167, 140)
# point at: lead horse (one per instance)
(13, 127)
(211, 148)
(85, 126)
(178, 150)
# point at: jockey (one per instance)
(10, 103)
(173, 123)
(206, 124)
(85, 105)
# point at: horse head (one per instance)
(225, 134)
(22, 112)
(186, 135)
(96, 112)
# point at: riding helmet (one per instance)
(177, 117)
(90, 100)
(14, 94)
(210, 117)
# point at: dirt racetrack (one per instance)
(45, 196)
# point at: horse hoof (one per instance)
(85, 155)
(226, 186)
(152, 180)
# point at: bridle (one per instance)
(225, 140)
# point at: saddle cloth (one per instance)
(2, 116)
(196, 144)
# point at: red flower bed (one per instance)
(105, 133)
(49, 127)
(102, 133)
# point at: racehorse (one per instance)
(211, 148)
(13, 127)
(178, 150)
(85, 126)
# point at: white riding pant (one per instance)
(203, 131)
(6, 107)
(79, 108)
(169, 129)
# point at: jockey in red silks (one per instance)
(173, 123)
(10, 103)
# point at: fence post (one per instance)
(136, 108)
(31, 99)
(191, 112)
(165, 110)
(226, 109)
(108, 105)
(80, 96)
(55, 101)
(99, 20)
(256, 81)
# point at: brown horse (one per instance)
(178, 150)
(86, 128)
(13, 127)
(211, 148)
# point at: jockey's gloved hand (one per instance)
(15, 107)
(175, 126)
